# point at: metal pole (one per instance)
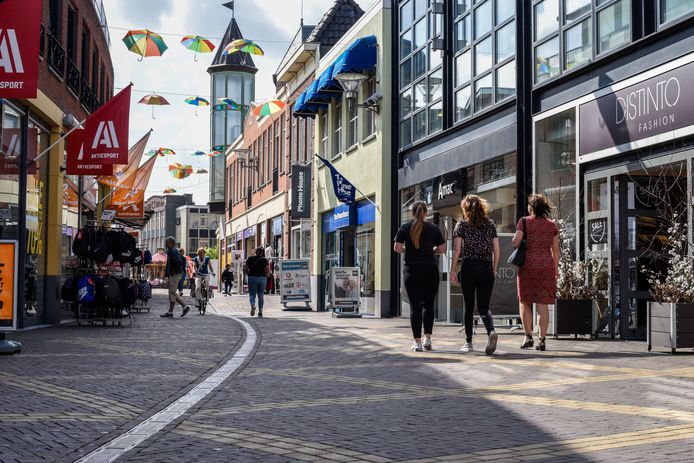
(77, 126)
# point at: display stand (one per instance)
(295, 284)
(9, 251)
(344, 285)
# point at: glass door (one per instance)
(598, 241)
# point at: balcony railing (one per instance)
(56, 55)
(42, 41)
(73, 77)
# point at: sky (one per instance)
(175, 75)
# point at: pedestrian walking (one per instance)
(537, 277)
(476, 241)
(184, 274)
(257, 269)
(420, 241)
(203, 269)
(227, 279)
(175, 266)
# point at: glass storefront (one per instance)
(301, 240)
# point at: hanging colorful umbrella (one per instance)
(244, 45)
(153, 100)
(201, 171)
(231, 104)
(197, 44)
(168, 191)
(197, 101)
(214, 154)
(268, 108)
(144, 43)
(180, 171)
(161, 152)
(199, 153)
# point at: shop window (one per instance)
(495, 181)
(675, 9)
(547, 60)
(555, 161)
(614, 26)
(579, 44)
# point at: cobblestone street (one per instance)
(316, 388)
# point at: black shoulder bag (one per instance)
(517, 257)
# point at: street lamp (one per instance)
(246, 159)
(350, 83)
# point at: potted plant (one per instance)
(671, 312)
(573, 310)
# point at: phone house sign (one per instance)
(644, 112)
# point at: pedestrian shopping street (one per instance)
(317, 388)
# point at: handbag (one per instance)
(517, 257)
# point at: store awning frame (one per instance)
(360, 56)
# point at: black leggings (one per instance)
(421, 284)
(477, 279)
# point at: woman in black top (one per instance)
(257, 268)
(420, 241)
(476, 241)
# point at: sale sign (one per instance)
(106, 131)
(8, 285)
(76, 163)
(20, 25)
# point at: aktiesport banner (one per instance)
(106, 131)
(20, 32)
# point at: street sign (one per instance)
(8, 285)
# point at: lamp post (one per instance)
(351, 83)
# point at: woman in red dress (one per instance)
(537, 278)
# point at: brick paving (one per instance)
(326, 389)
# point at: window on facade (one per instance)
(310, 138)
(71, 34)
(337, 129)
(674, 9)
(369, 116)
(293, 139)
(565, 32)
(276, 147)
(95, 70)
(324, 134)
(84, 62)
(485, 48)
(352, 116)
(280, 142)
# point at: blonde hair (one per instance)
(201, 249)
(419, 212)
(475, 209)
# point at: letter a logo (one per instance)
(105, 135)
(9, 52)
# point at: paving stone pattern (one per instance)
(319, 388)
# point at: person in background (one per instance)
(269, 251)
(185, 272)
(257, 268)
(420, 241)
(175, 266)
(228, 279)
(475, 239)
(537, 278)
(203, 269)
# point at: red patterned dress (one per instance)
(537, 279)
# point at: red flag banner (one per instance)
(76, 163)
(20, 25)
(130, 203)
(124, 175)
(106, 131)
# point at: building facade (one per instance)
(196, 228)
(259, 163)
(75, 78)
(162, 212)
(354, 138)
(573, 99)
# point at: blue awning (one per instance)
(314, 96)
(303, 109)
(361, 56)
(326, 82)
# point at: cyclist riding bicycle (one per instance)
(203, 269)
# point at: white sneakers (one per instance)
(417, 347)
(427, 344)
(467, 347)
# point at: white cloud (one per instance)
(270, 22)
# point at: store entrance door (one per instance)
(627, 217)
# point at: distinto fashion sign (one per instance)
(653, 107)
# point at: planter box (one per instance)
(571, 317)
(670, 325)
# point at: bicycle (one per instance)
(204, 286)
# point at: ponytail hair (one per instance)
(419, 212)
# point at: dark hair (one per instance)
(419, 212)
(539, 205)
(259, 251)
(475, 209)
